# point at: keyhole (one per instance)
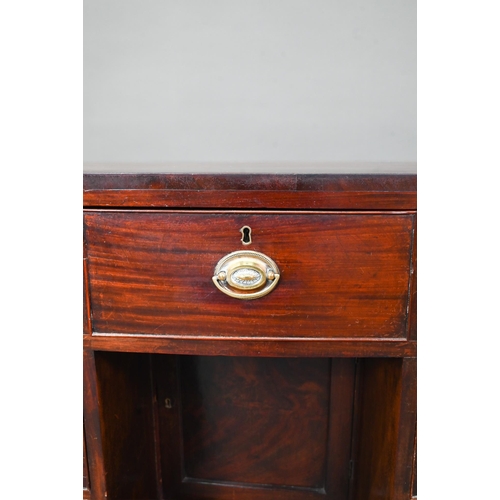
(246, 235)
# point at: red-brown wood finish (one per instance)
(384, 438)
(251, 199)
(247, 191)
(271, 348)
(342, 275)
(125, 389)
(376, 438)
(270, 428)
(85, 465)
(92, 422)
(414, 473)
(307, 393)
(412, 314)
(407, 418)
(87, 315)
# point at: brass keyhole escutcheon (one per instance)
(246, 275)
(246, 235)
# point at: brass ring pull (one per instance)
(246, 275)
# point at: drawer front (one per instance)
(342, 275)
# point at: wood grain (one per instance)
(342, 387)
(92, 422)
(378, 409)
(308, 190)
(254, 427)
(341, 275)
(269, 348)
(305, 181)
(85, 464)
(384, 437)
(136, 198)
(87, 315)
(126, 404)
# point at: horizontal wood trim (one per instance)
(251, 199)
(254, 347)
(198, 490)
(86, 494)
(253, 182)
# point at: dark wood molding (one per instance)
(245, 347)
(338, 190)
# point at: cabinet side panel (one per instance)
(92, 422)
(414, 479)
(127, 425)
(407, 414)
(378, 406)
(340, 427)
(256, 420)
(255, 428)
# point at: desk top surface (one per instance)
(288, 186)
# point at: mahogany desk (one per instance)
(250, 332)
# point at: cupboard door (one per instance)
(255, 428)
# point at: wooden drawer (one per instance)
(343, 274)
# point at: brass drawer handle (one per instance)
(246, 275)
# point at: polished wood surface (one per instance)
(376, 437)
(278, 348)
(85, 464)
(255, 427)
(270, 400)
(407, 418)
(412, 313)
(311, 187)
(192, 395)
(87, 323)
(251, 200)
(92, 422)
(342, 275)
(414, 472)
(385, 429)
(128, 428)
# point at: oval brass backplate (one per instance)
(246, 275)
